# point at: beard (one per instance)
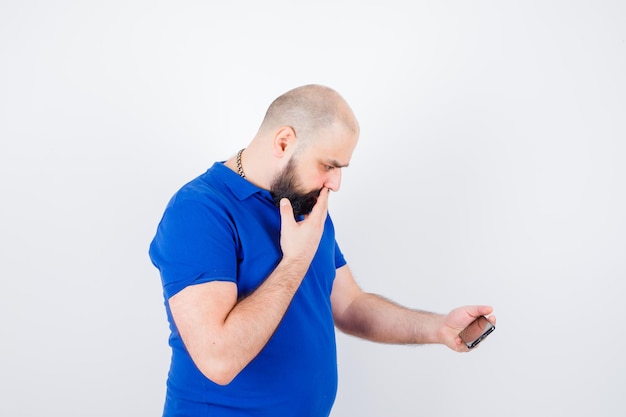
(286, 185)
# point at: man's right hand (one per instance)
(299, 240)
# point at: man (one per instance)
(255, 283)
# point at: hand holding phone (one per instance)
(476, 331)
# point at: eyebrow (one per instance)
(335, 163)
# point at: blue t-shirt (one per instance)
(220, 227)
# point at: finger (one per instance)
(286, 212)
(479, 310)
(460, 345)
(484, 310)
(321, 206)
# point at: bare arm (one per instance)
(375, 318)
(223, 334)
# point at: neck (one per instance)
(256, 165)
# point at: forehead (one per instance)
(334, 146)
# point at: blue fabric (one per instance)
(220, 227)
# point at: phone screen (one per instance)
(477, 330)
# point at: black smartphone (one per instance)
(476, 331)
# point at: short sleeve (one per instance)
(340, 260)
(194, 243)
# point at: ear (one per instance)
(284, 141)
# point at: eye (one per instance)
(328, 167)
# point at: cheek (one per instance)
(318, 180)
(312, 184)
(311, 178)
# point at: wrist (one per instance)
(292, 268)
(436, 329)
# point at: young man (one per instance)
(255, 282)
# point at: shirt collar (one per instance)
(239, 186)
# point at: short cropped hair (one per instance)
(308, 110)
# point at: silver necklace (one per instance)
(239, 167)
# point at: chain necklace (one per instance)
(239, 167)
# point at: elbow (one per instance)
(346, 326)
(220, 378)
(353, 329)
(219, 371)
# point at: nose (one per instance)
(333, 181)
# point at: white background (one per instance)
(490, 170)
